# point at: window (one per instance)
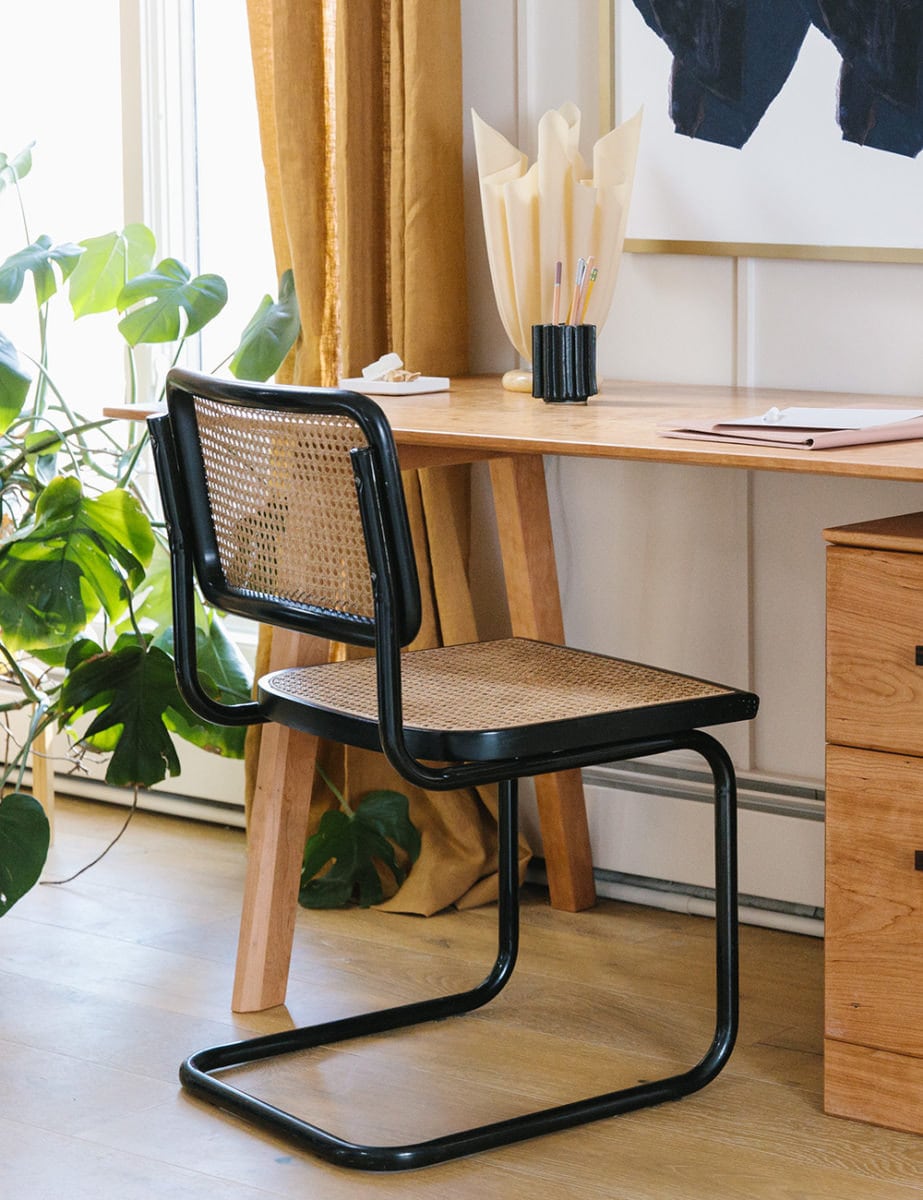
(140, 110)
(233, 216)
(61, 88)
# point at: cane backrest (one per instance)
(270, 489)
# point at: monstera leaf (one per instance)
(24, 838)
(168, 289)
(17, 167)
(107, 263)
(224, 674)
(38, 259)
(77, 555)
(130, 688)
(14, 384)
(354, 842)
(269, 335)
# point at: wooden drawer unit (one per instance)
(873, 956)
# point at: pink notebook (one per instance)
(810, 428)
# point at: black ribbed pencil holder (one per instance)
(564, 363)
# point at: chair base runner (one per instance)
(198, 1072)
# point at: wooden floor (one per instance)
(107, 983)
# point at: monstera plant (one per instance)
(85, 623)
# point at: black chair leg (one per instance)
(197, 1072)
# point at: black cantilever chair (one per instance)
(286, 505)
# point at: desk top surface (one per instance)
(478, 414)
(478, 418)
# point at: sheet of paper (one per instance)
(826, 418)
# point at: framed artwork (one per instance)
(772, 128)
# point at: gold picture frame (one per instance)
(608, 118)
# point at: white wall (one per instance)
(714, 571)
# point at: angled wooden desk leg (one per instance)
(524, 524)
(276, 833)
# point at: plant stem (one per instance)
(36, 725)
(344, 807)
(72, 416)
(22, 679)
(41, 387)
(14, 464)
(131, 812)
(22, 207)
(179, 349)
(132, 376)
(123, 479)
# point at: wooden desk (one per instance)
(478, 420)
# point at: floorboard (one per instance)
(107, 982)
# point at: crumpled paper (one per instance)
(555, 210)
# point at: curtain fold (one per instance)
(360, 113)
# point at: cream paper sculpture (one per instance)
(554, 211)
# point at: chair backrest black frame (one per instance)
(181, 452)
(310, 407)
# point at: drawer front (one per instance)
(872, 1085)
(874, 639)
(873, 939)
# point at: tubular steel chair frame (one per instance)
(393, 623)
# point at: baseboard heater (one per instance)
(650, 825)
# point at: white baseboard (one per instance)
(651, 835)
(158, 800)
(650, 830)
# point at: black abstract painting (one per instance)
(731, 58)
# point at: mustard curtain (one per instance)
(361, 128)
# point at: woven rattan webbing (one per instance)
(283, 500)
(495, 685)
